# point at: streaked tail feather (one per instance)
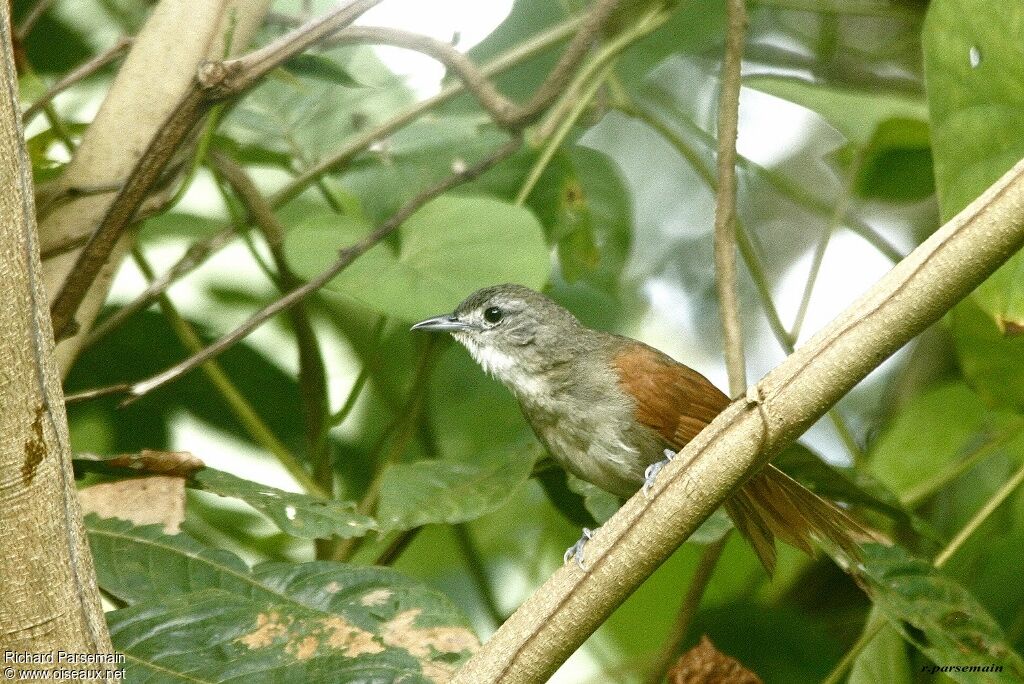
(772, 504)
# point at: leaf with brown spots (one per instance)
(198, 613)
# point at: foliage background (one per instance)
(864, 124)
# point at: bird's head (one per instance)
(513, 332)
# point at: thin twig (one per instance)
(691, 602)
(923, 489)
(312, 374)
(838, 216)
(477, 571)
(725, 199)
(31, 17)
(77, 74)
(1008, 488)
(500, 64)
(397, 546)
(236, 401)
(215, 82)
(347, 256)
(203, 249)
(872, 629)
(750, 259)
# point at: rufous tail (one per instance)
(772, 504)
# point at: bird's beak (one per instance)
(443, 323)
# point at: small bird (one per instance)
(608, 407)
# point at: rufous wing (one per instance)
(672, 399)
(678, 402)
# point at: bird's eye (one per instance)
(493, 314)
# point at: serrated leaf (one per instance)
(974, 63)
(300, 515)
(202, 615)
(447, 249)
(449, 491)
(938, 615)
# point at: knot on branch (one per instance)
(215, 77)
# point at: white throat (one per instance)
(504, 368)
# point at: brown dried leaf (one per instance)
(705, 664)
(158, 499)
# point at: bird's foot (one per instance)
(652, 470)
(576, 550)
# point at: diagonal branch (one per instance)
(215, 82)
(560, 615)
(77, 74)
(347, 256)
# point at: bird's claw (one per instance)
(652, 470)
(576, 550)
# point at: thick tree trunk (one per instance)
(48, 595)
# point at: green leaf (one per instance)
(585, 208)
(450, 491)
(321, 68)
(448, 249)
(938, 616)
(992, 362)
(897, 162)
(144, 563)
(974, 63)
(937, 429)
(300, 515)
(857, 114)
(884, 659)
(203, 615)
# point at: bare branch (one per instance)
(238, 75)
(214, 82)
(560, 615)
(203, 249)
(348, 255)
(312, 373)
(31, 17)
(80, 73)
(725, 199)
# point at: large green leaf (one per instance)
(202, 615)
(450, 491)
(974, 61)
(144, 563)
(300, 515)
(992, 362)
(936, 430)
(446, 250)
(888, 130)
(884, 659)
(586, 210)
(938, 616)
